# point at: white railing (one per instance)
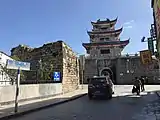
(101, 57)
(87, 56)
(124, 55)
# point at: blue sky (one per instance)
(35, 22)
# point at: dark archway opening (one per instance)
(108, 71)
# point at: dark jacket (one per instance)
(143, 80)
(137, 83)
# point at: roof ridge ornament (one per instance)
(108, 20)
(98, 20)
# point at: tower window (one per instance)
(115, 35)
(101, 39)
(104, 39)
(106, 51)
(105, 28)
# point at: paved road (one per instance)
(123, 106)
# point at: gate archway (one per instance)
(107, 70)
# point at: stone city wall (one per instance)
(49, 58)
(70, 69)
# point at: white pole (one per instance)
(17, 90)
(82, 71)
(82, 78)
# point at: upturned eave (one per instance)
(105, 22)
(118, 31)
(87, 46)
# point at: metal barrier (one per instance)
(37, 77)
(8, 82)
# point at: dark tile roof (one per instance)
(102, 32)
(105, 21)
(106, 43)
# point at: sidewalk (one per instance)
(7, 111)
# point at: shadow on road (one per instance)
(128, 97)
(33, 107)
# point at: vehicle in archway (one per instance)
(99, 86)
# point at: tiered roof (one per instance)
(99, 32)
(105, 22)
(106, 44)
(117, 32)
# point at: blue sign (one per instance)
(56, 76)
(13, 64)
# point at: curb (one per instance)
(40, 108)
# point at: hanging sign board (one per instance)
(146, 57)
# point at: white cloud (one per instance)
(128, 26)
(126, 23)
(129, 22)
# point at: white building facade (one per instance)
(5, 79)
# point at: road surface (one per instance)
(123, 106)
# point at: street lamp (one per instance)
(143, 39)
(150, 44)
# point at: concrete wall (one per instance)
(33, 91)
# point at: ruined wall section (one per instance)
(51, 57)
(70, 69)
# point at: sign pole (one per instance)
(82, 78)
(18, 65)
(17, 90)
(82, 71)
(97, 67)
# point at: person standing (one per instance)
(110, 81)
(142, 83)
(137, 84)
